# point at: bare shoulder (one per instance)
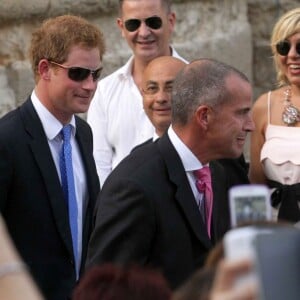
(276, 98)
(261, 110)
(261, 101)
(260, 107)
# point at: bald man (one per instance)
(157, 84)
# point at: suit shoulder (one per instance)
(142, 144)
(10, 121)
(143, 160)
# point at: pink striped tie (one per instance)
(203, 184)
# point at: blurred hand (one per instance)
(224, 287)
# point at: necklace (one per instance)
(291, 114)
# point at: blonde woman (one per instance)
(275, 143)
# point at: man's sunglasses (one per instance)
(78, 73)
(152, 22)
(283, 48)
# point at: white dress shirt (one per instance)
(155, 136)
(52, 128)
(190, 163)
(117, 119)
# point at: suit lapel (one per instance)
(42, 154)
(183, 193)
(84, 140)
(220, 218)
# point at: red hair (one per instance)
(110, 282)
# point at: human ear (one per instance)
(172, 21)
(43, 69)
(121, 26)
(203, 115)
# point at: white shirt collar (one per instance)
(126, 70)
(189, 160)
(155, 136)
(51, 125)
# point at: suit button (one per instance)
(72, 262)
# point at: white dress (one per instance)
(280, 154)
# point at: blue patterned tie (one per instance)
(67, 181)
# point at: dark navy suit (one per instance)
(32, 201)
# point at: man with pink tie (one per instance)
(150, 210)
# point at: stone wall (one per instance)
(233, 31)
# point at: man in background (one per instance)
(116, 113)
(157, 85)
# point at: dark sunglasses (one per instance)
(152, 22)
(283, 48)
(78, 73)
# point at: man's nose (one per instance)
(144, 30)
(249, 125)
(162, 95)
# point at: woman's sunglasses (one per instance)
(78, 73)
(283, 48)
(152, 22)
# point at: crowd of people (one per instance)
(133, 202)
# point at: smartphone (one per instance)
(275, 253)
(239, 243)
(249, 203)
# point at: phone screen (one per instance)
(248, 209)
(249, 203)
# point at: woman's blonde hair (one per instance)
(286, 26)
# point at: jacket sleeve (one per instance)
(124, 226)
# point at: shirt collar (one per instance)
(126, 70)
(51, 125)
(155, 136)
(189, 160)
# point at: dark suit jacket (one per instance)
(236, 170)
(147, 214)
(32, 202)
